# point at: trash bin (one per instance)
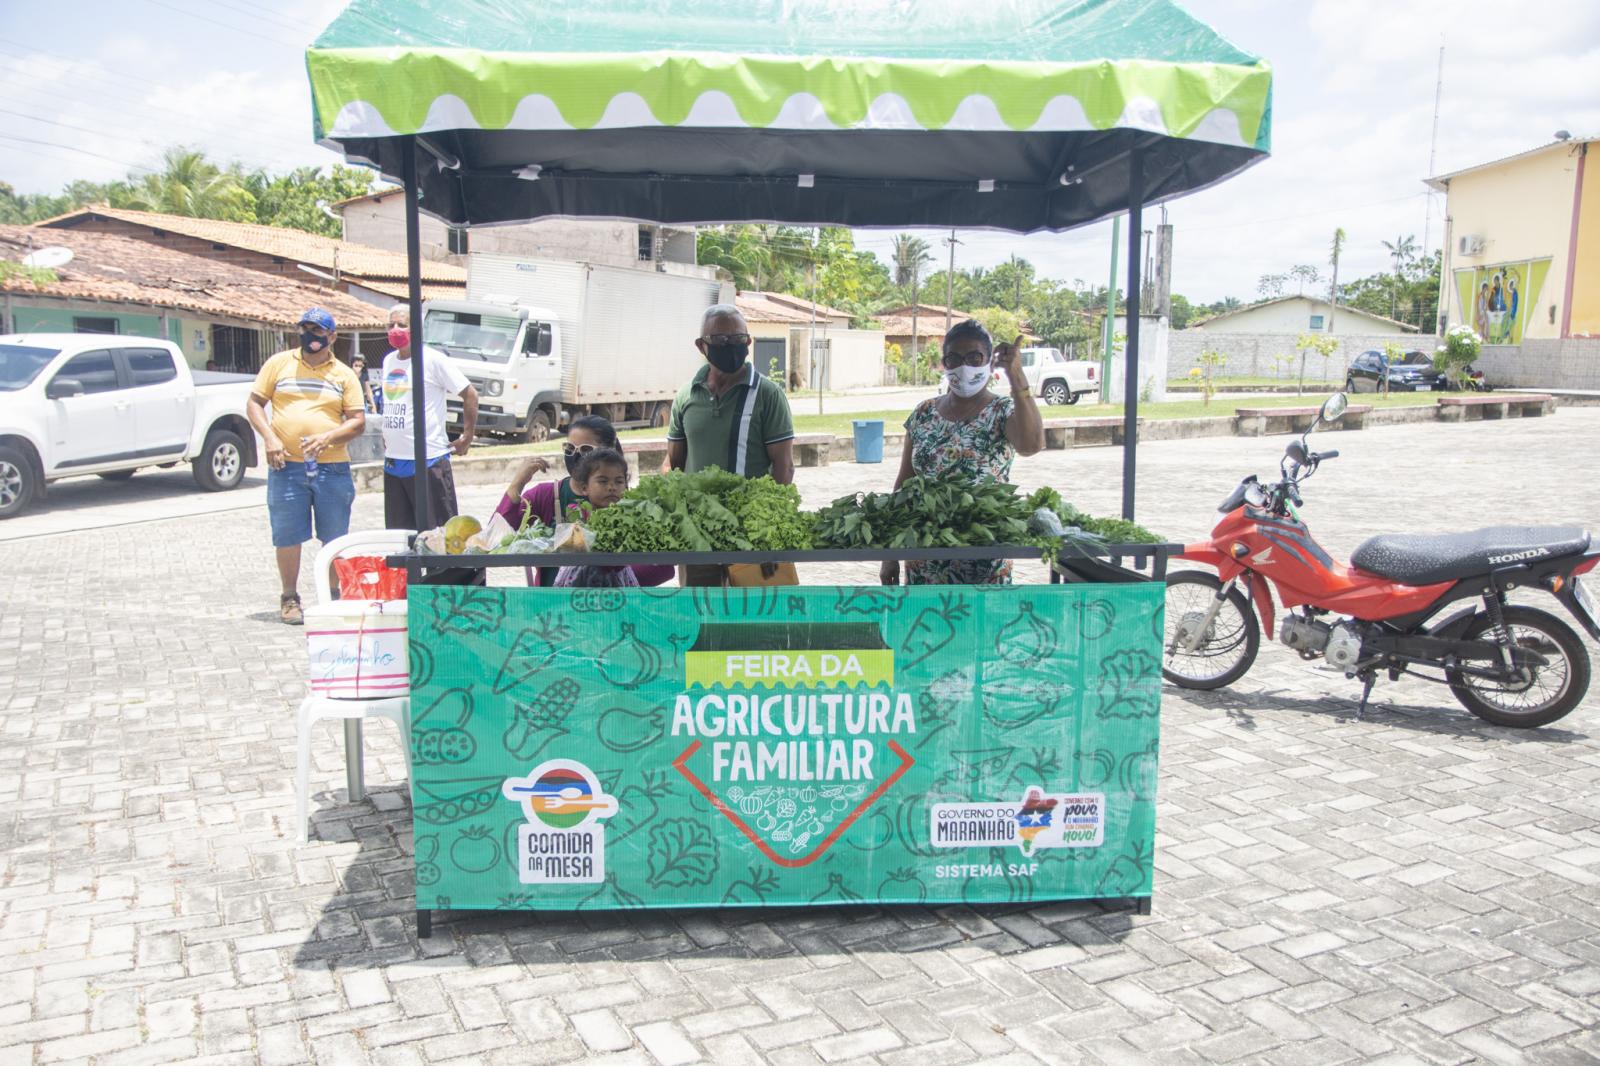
(869, 440)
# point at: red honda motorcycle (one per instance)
(1507, 663)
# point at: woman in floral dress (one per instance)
(969, 435)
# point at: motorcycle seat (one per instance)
(1429, 559)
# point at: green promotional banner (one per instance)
(606, 748)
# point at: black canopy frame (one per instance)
(909, 198)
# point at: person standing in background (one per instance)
(399, 433)
(316, 410)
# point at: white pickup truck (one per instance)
(77, 403)
(1054, 378)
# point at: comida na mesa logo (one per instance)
(563, 842)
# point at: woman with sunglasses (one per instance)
(549, 500)
(971, 435)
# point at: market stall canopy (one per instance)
(1009, 114)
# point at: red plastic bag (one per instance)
(366, 577)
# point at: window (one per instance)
(536, 341)
(150, 366)
(1028, 357)
(91, 324)
(647, 244)
(1316, 321)
(95, 370)
(457, 241)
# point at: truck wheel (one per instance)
(221, 462)
(660, 415)
(1056, 394)
(117, 475)
(538, 429)
(1073, 397)
(18, 482)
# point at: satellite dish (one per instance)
(44, 258)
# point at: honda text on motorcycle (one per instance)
(1390, 610)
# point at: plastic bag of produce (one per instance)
(571, 537)
(596, 577)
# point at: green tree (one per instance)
(299, 198)
(1320, 343)
(1182, 311)
(1333, 283)
(1270, 286)
(761, 258)
(1002, 323)
(1304, 274)
(848, 278)
(189, 184)
(1401, 250)
(22, 209)
(910, 255)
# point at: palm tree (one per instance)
(188, 184)
(1403, 249)
(911, 254)
(1333, 284)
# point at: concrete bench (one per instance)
(813, 449)
(1060, 433)
(648, 456)
(1495, 405)
(1259, 421)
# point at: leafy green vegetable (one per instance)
(1112, 530)
(924, 513)
(711, 510)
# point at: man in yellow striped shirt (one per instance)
(317, 408)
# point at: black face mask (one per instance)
(572, 462)
(311, 343)
(727, 357)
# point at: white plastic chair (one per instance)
(315, 708)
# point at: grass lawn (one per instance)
(1245, 381)
(840, 425)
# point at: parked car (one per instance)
(88, 403)
(1054, 378)
(1411, 372)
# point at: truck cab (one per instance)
(510, 353)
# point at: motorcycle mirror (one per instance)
(1296, 451)
(1333, 407)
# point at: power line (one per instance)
(97, 72)
(70, 126)
(225, 25)
(70, 148)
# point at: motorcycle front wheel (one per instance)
(1543, 693)
(1228, 645)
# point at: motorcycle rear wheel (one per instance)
(1230, 643)
(1549, 693)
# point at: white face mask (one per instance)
(967, 381)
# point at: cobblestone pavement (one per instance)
(1414, 887)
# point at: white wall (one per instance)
(1293, 317)
(855, 357)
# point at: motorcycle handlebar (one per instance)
(1334, 454)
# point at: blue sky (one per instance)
(106, 86)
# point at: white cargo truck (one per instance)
(545, 341)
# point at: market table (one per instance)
(603, 748)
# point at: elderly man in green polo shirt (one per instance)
(730, 416)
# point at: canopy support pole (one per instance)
(417, 399)
(1130, 370)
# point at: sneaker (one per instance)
(289, 610)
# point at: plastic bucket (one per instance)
(869, 440)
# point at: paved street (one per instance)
(1415, 887)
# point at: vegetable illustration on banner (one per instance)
(617, 749)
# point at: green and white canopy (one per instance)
(1013, 114)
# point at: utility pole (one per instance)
(1433, 150)
(950, 279)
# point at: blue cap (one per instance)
(318, 317)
